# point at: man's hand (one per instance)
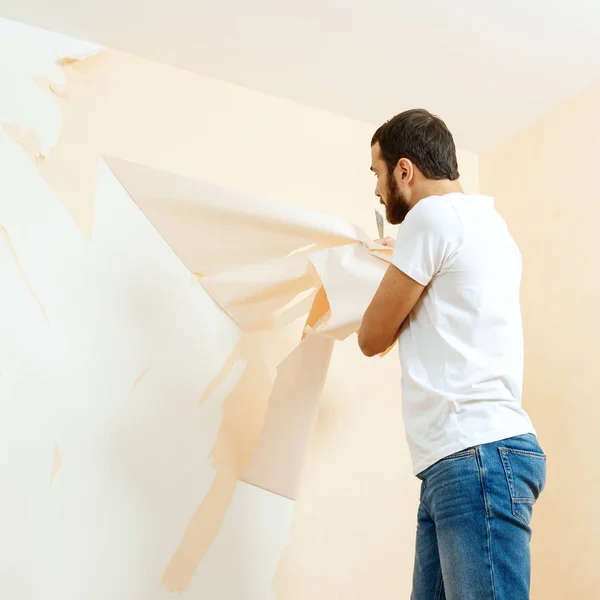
(388, 242)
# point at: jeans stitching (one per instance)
(487, 523)
(507, 471)
(518, 516)
(539, 455)
(514, 501)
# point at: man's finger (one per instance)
(387, 241)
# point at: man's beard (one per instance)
(396, 205)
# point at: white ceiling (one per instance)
(488, 67)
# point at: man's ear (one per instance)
(404, 170)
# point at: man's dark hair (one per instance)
(423, 139)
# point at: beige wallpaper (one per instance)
(545, 181)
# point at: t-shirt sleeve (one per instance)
(428, 239)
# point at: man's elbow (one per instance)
(367, 346)
(369, 351)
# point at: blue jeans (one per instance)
(474, 522)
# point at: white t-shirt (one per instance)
(461, 348)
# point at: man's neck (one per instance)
(439, 188)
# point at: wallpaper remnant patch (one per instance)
(4, 234)
(246, 377)
(31, 78)
(139, 378)
(56, 464)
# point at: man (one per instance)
(451, 299)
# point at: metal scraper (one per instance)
(379, 219)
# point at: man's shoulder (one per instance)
(434, 210)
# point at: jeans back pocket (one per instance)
(526, 477)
